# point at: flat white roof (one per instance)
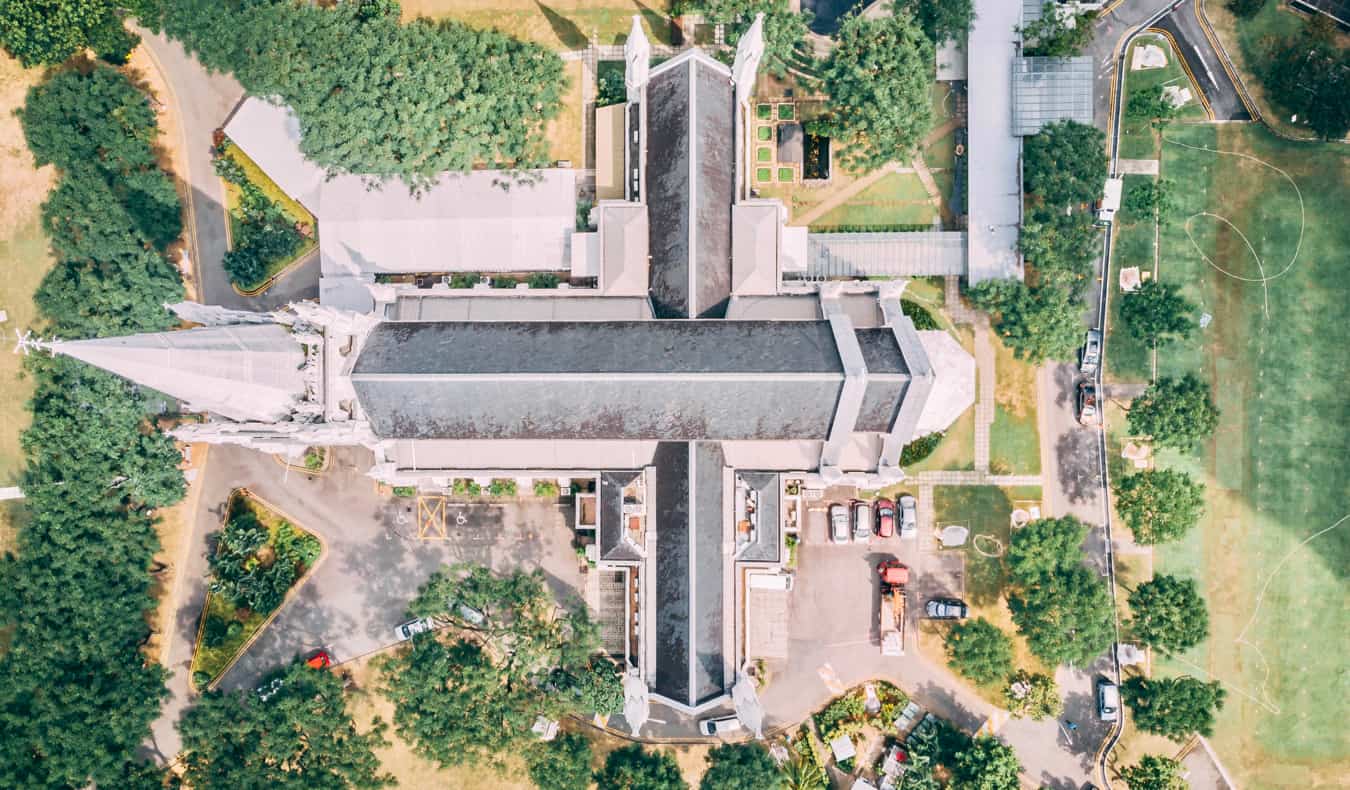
(994, 194)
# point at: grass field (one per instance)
(564, 132)
(560, 25)
(1273, 549)
(896, 199)
(1130, 360)
(1014, 437)
(1138, 139)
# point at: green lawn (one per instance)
(1138, 139)
(559, 24)
(1276, 469)
(1129, 359)
(293, 209)
(941, 152)
(214, 660)
(1014, 436)
(895, 199)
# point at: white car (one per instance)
(909, 516)
(408, 630)
(839, 526)
(721, 726)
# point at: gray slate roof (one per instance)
(613, 545)
(690, 175)
(769, 529)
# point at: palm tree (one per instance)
(799, 773)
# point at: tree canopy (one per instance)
(1065, 163)
(1173, 707)
(1309, 75)
(1159, 505)
(1045, 547)
(1176, 412)
(941, 20)
(378, 97)
(1150, 201)
(1154, 773)
(301, 735)
(1060, 247)
(1157, 313)
(878, 77)
(1169, 614)
(47, 32)
(741, 766)
(1052, 35)
(634, 768)
(784, 28)
(979, 650)
(1038, 323)
(1065, 616)
(1032, 696)
(1150, 104)
(563, 763)
(987, 764)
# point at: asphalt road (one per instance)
(203, 102)
(1205, 63)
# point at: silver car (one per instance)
(909, 516)
(1092, 352)
(1108, 700)
(839, 531)
(862, 520)
(408, 630)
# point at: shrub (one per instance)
(214, 631)
(923, 320)
(843, 716)
(503, 282)
(979, 650)
(920, 448)
(200, 679)
(465, 487)
(405, 491)
(502, 487)
(462, 280)
(314, 460)
(546, 488)
(543, 280)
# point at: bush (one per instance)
(979, 650)
(314, 460)
(463, 487)
(504, 282)
(920, 448)
(1246, 9)
(405, 491)
(561, 764)
(201, 679)
(543, 280)
(462, 280)
(546, 488)
(214, 631)
(265, 235)
(923, 320)
(843, 716)
(502, 487)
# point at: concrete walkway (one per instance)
(984, 387)
(1138, 167)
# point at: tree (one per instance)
(742, 766)
(598, 687)
(1157, 313)
(1175, 412)
(378, 97)
(1159, 505)
(302, 734)
(1066, 617)
(1150, 200)
(878, 78)
(1061, 247)
(979, 650)
(634, 768)
(803, 772)
(1057, 34)
(1045, 547)
(1037, 323)
(47, 32)
(1173, 707)
(941, 20)
(1065, 163)
(784, 28)
(1150, 104)
(1032, 696)
(563, 763)
(1154, 773)
(1169, 614)
(1308, 74)
(987, 764)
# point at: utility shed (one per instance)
(1046, 90)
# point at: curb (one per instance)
(320, 472)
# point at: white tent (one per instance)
(636, 708)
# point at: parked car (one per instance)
(721, 726)
(319, 659)
(1108, 700)
(1092, 352)
(412, 628)
(946, 609)
(862, 520)
(1089, 409)
(909, 516)
(467, 613)
(838, 523)
(885, 518)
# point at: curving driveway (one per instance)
(203, 102)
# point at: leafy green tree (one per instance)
(987, 764)
(979, 650)
(1169, 614)
(1065, 616)
(1037, 323)
(1159, 505)
(878, 77)
(598, 687)
(741, 766)
(376, 96)
(1245, 9)
(941, 20)
(563, 763)
(1308, 74)
(1061, 248)
(1150, 104)
(1173, 707)
(1154, 773)
(47, 32)
(784, 28)
(302, 734)
(1032, 696)
(456, 706)
(1176, 412)
(1150, 200)
(634, 768)
(1065, 163)
(1045, 547)
(1055, 35)
(1157, 313)
(266, 235)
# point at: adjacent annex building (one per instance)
(685, 387)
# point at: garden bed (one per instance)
(246, 552)
(249, 174)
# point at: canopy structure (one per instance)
(748, 708)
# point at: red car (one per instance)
(319, 659)
(885, 518)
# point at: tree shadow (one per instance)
(565, 29)
(1079, 475)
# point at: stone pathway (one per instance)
(984, 394)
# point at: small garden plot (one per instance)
(257, 558)
(860, 719)
(268, 229)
